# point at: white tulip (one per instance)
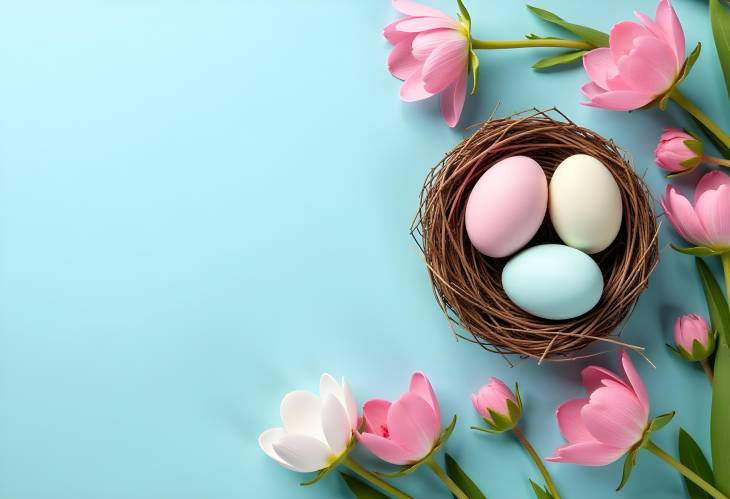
(316, 429)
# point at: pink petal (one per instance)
(650, 67)
(413, 88)
(477, 405)
(375, 414)
(599, 65)
(420, 24)
(413, 424)
(421, 386)
(385, 449)
(452, 101)
(401, 62)
(571, 423)
(684, 219)
(710, 182)
(713, 219)
(586, 454)
(675, 133)
(668, 22)
(594, 376)
(634, 379)
(445, 65)
(424, 43)
(615, 416)
(393, 35)
(621, 38)
(620, 100)
(591, 90)
(416, 9)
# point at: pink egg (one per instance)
(507, 206)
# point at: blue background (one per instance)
(203, 205)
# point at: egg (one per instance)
(506, 206)
(585, 204)
(553, 281)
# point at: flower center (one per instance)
(384, 431)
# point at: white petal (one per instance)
(350, 405)
(267, 440)
(303, 452)
(335, 424)
(328, 386)
(301, 413)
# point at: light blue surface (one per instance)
(553, 281)
(205, 204)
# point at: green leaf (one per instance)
(719, 145)
(720, 19)
(540, 493)
(474, 65)
(463, 11)
(590, 35)
(629, 464)
(660, 421)
(560, 59)
(697, 251)
(695, 146)
(720, 418)
(461, 479)
(716, 304)
(688, 64)
(360, 489)
(692, 457)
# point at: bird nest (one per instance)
(467, 284)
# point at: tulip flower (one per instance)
(501, 410)
(613, 421)
(706, 224)
(318, 432)
(408, 431)
(680, 152)
(694, 337)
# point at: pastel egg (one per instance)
(506, 206)
(553, 281)
(585, 204)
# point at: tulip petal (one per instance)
(420, 24)
(587, 454)
(591, 90)
(416, 9)
(393, 35)
(303, 452)
(668, 22)
(650, 67)
(421, 386)
(350, 404)
(619, 100)
(267, 440)
(711, 182)
(615, 416)
(599, 65)
(571, 423)
(300, 413)
(413, 425)
(385, 449)
(445, 65)
(711, 218)
(594, 376)
(635, 381)
(401, 62)
(328, 386)
(683, 217)
(335, 424)
(424, 43)
(375, 414)
(413, 88)
(621, 38)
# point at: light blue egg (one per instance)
(553, 281)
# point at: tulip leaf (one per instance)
(660, 421)
(540, 492)
(695, 146)
(692, 457)
(560, 59)
(720, 418)
(464, 12)
(720, 19)
(686, 68)
(485, 430)
(629, 464)
(499, 422)
(474, 65)
(697, 251)
(360, 489)
(590, 35)
(719, 145)
(716, 303)
(461, 479)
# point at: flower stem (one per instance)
(438, 470)
(688, 473)
(538, 462)
(689, 106)
(374, 479)
(520, 44)
(708, 370)
(716, 161)
(725, 259)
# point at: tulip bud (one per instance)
(678, 151)
(500, 408)
(694, 337)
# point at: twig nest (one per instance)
(467, 284)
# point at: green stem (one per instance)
(538, 462)
(374, 479)
(431, 462)
(708, 370)
(689, 106)
(725, 258)
(520, 44)
(716, 161)
(688, 473)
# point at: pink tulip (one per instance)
(431, 56)
(606, 425)
(405, 431)
(694, 337)
(706, 224)
(643, 62)
(493, 403)
(678, 151)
